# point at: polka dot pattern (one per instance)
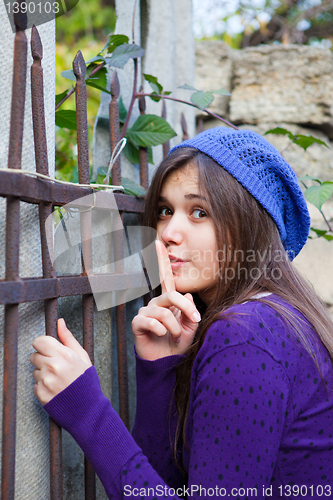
(260, 417)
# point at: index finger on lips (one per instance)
(181, 302)
(166, 276)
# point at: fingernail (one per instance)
(177, 340)
(63, 322)
(196, 317)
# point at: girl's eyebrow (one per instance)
(189, 196)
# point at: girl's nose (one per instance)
(172, 232)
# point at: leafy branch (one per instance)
(145, 132)
(316, 195)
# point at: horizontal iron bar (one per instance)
(32, 289)
(34, 190)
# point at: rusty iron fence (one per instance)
(48, 288)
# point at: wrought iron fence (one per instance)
(49, 288)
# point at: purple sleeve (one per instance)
(88, 416)
(238, 411)
(156, 419)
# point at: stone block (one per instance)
(290, 84)
(213, 70)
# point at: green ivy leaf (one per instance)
(65, 118)
(124, 53)
(98, 58)
(101, 174)
(132, 187)
(280, 131)
(154, 97)
(150, 130)
(220, 92)
(122, 111)
(304, 141)
(69, 74)
(98, 80)
(132, 153)
(317, 195)
(166, 92)
(188, 87)
(157, 87)
(322, 234)
(309, 178)
(59, 97)
(114, 41)
(202, 99)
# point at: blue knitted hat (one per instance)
(260, 168)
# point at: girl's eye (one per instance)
(163, 211)
(199, 214)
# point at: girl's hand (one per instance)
(167, 325)
(57, 364)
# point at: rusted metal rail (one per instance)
(47, 194)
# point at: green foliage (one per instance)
(304, 141)
(322, 234)
(65, 118)
(316, 195)
(132, 153)
(114, 41)
(156, 86)
(123, 53)
(150, 130)
(90, 18)
(59, 97)
(66, 168)
(130, 187)
(203, 99)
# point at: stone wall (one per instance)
(280, 86)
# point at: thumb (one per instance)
(68, 340)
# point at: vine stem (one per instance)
(100, 66)
(134, 96)
(139, 94)
(329, 225)
(322, 213)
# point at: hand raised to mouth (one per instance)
(167, 325)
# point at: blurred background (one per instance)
(238, 23)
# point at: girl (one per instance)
(234, 368)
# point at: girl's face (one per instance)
(186, 228)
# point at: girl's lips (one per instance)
(179, 263)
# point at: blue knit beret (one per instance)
(260, 168)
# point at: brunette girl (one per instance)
(234, 354)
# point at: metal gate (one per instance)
(46, 193)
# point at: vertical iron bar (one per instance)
(114, 127)
(143, 152)
(45, 210)
(184, 127)
(119, 267)
(200, 125)
(166, 145)
(79, 67)
(12, 262)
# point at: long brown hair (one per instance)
(253, 259)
